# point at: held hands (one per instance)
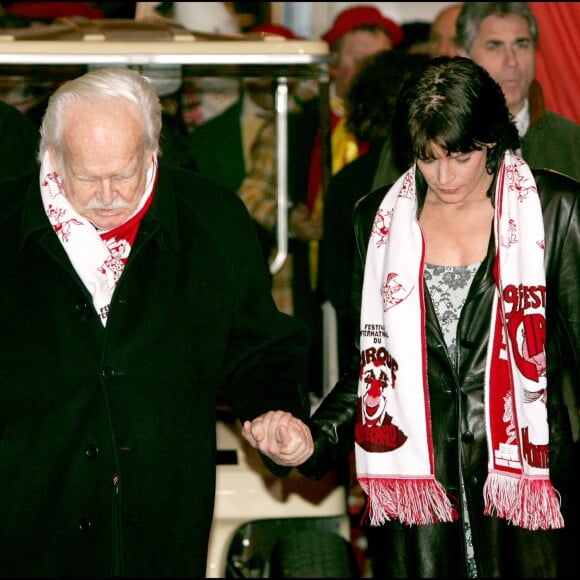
(280, 436)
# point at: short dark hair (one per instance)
(454, 103)
(473, 13)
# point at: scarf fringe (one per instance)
(411, 501)
(531, 503)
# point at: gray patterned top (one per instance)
(448, 286)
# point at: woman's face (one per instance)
(457, 177)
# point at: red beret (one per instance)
(275, 29)
(356, 16)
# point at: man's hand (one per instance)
(280, 436)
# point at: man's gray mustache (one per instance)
(117, 204)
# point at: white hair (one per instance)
(104, 84)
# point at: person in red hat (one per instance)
(356, 33)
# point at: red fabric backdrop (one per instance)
(558, 56)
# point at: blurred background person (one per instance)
(237, 148)
(259, 188)
(369, 107)
(356, 32)
(434, 38)
(503, 38)
(443, 33)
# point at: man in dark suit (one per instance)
(134, 300)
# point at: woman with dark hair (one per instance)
(468, 307)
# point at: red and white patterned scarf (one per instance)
(394, 445)
(97, 257)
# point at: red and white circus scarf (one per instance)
(97, 257)
(394, 445)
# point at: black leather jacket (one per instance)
(458, 423)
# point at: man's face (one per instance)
(104, 165)
(355, 46)
(504, 47)
(443, 37)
